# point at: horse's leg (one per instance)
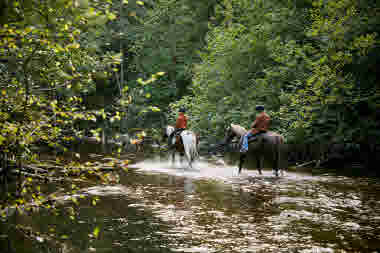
(276, 158)
(189, 159)
(241, 161)
(137, 146)
(173, 157)
(260, 164)
(280, 163)
(275, 167)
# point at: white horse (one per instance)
(186, 145)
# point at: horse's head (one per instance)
(167, 131)
(229, 135)
(232, 131)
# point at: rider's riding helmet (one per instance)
(259, 108)
(182, 110)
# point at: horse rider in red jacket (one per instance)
(258, 127)
(180, 125)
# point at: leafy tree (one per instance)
(170, 34)
(337, 93)
(249, 59)
(48, 69)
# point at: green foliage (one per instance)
(249, 59)
(69, 68)
(48, 71)
(167, 39)
(333, 93)
(307, 61)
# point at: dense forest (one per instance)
(71, 69)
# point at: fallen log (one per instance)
(33, 168)
(305, 164)
(49, 166)
(46, 178)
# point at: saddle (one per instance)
(178, 139)
(255, 137)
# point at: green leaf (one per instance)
(95, 233)
(2, 139)
(111, 16)
(155, 109)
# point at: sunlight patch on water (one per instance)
(210, 168)
(194, 249)
(316, 249)
(107, 190)
(215, 168)
(201, 169)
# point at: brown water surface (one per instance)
(160, 207)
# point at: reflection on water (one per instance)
(160, 207)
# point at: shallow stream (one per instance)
(160, 207)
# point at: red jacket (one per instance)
(261, 123)
(181, 121)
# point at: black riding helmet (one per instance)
(259, 108)
(182, 110)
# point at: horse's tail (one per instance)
(189, 140)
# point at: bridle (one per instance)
(229, 135)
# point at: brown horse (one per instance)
(265, 144)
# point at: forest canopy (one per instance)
(74, 68)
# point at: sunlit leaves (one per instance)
(95, 233)
(2, 139)
(153, 78)
(47, 67)
(111, 16)
(114, 59)
(72, 46)
(364, 42)
(154, 109)
(331, 83)
(117, 117)
(83, 3)
(94, 201)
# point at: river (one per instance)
(159, 207)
